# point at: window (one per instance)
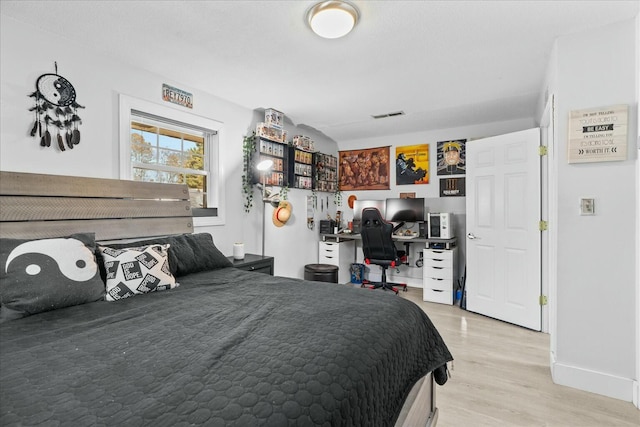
(164, 152)
(161, 144)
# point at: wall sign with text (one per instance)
(177, 96)
(452, 187)
(598, 134)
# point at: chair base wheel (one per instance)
(385, 286)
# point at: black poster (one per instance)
(452, 187)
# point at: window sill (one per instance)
(206, 217)
(206, 221)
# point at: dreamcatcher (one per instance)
(56, 106)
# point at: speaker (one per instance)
(327, 226)
(422, 230)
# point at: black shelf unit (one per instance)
(301, 168)
(279, 153)
(326, 172)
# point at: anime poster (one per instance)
(364, 169)
(412, 164)
(451, 157)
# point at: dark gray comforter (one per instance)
(226, 348)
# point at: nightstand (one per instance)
(251, 262)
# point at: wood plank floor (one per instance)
(501, 377)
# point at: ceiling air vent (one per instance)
(382, 116)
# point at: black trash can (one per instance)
(321, 272)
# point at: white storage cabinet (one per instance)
(339, 254)
(438, 272)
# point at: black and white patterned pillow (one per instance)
(132, 271)
(188, 253)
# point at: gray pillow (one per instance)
(188, 253)
(47, 274)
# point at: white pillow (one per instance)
(133, 271)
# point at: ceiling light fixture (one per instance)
(332, 19)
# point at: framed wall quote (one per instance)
(598, 134)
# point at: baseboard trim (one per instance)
(595, 382)
(636, 394)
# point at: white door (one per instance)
(503, 236)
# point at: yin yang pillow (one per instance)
(47, 274)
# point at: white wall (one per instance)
(596, 285)
(636, 393)
(294, 245)
(427, 137)
(27, 52)
(430, 191)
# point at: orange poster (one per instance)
(364, 169)
(412, 164)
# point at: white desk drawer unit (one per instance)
(328, 252)
(438, 271)
(339, 254)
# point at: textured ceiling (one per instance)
(444, 63)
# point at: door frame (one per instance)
(548, 207)
(636, 391)
(550, 244)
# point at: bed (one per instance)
(219, 347)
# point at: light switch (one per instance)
(587, 207)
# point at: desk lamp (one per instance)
(263, 167)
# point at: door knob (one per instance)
(471, 236)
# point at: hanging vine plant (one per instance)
(248, 167)
(284, 191)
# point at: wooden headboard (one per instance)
(39, 206)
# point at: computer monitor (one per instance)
(359, 205)
(404, 210)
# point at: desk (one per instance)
(346, 236)
(412, 279)
(437, 243)
(428, 243)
